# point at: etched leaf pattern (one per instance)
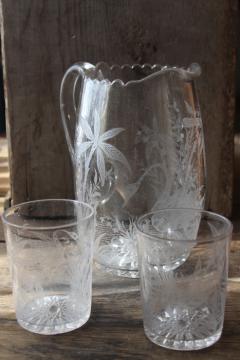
(173, 175)
(120, 236)
(175, 168)
(179, 159)
(57, 260)
(111, 133)
(96, 146)
(114, 154)
(170, 167)
(187, 303)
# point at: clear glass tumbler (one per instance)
(50, 244)
(183, 270)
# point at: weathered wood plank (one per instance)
(234, 264)
(42, 38)
(114, 332)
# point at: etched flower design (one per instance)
(184, 325)
(50, 311)
(122, 243)
(97, 145)
(126, 231)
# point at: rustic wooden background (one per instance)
(41, 39)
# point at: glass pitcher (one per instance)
(135, 137)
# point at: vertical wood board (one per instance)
(41, 39)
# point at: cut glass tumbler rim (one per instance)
(13, 208)
(225, 231)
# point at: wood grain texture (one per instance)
(41, 39)
(115, 337)
(115, 329)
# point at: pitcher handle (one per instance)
(69, 86)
